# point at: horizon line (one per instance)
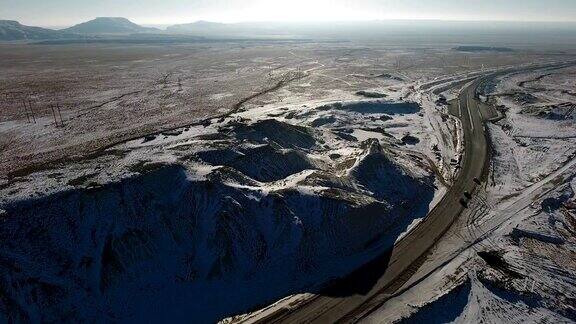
(318, 22)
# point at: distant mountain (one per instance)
(12, 31)
(200, 27)
(197, 26)
(472, 49)
(109, 25)
(213, 29)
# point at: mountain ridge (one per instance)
(109, 25)
(11, 30)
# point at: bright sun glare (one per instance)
(297, 10)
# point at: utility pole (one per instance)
(54, 114)
(26, 111)
(60, 114)
(32, 110)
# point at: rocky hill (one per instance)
(243, 204)
(109, 25)
(13, 31)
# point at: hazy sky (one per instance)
(68, 12)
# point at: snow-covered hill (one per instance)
(211, 220)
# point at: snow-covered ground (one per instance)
(110, 93)
(299, 186)
(199, 221)
(511, 256)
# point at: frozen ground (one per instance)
(295, 163)
(110, 93)
(511, 257)
(538, 128)
(286, 194)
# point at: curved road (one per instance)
(396, 266)
(383, 277)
